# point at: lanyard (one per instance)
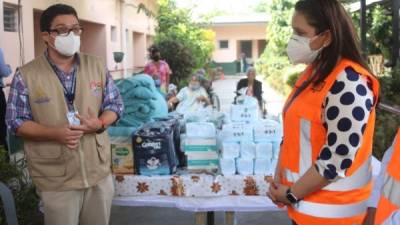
(69, 94)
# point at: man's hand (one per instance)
(89, 124)
(68, 137)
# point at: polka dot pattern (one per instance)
(347, 108)
(358, 113)
(344, 124)
(337, 87)
(332, 113)
(347, 98)
(332, 137)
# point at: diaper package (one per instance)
(247, 150)
(261, 166)
(235, 132)
(267, 131)
(200, 130)
(227, 166)
(245, 166)
(230, 150)
(264, 150)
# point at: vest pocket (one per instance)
(102, 148)
(47, 167)
(36, 150)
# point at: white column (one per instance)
(123, 37)
(1, 24)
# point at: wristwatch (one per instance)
(102, 128)
(291, 197)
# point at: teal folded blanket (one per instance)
(121, 131)
(142, 101)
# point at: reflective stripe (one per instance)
(305, 146)
(391, 189)
(291, 177)
(357, 180)
(331, 211)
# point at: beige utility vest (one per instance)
(52, 166)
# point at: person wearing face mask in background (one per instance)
(158, 69)
(323, 175)
(191, 98)
(60, 104)
(252, 85)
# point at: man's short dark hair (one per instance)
(52, 12)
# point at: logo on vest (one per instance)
(40, 96)
(96, 88)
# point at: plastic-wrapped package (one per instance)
(243, 113)
(230, 150)
(237, 132)
(200, 130)
(227, 166)
(267, 130)
(247, 150)
(261, 166)
(264, 150)
(154, 150)
(245, 166)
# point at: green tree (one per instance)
(274, 63)
(177, 30)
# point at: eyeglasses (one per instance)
(63, 31)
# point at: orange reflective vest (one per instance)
(343, 201)
(390, 195)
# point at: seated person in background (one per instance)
(254, 87)
(191, 98)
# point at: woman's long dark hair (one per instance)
(330, 15)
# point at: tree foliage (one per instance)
(274, 63)
(184, 44)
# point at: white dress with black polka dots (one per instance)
(346, 112)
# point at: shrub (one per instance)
(194, 44)
(15, 176)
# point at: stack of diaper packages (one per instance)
(249, 145)
(267, 136)
(200, 147)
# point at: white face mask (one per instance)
(68, 45)
(299, 50)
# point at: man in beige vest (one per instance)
(60, 104)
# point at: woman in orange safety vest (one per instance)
(324, 175)
(384, 203)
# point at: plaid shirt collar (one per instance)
(58, 71)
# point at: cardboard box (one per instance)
(122, 158)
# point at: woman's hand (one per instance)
(278, 193)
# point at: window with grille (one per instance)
(224, 44)
(10, 15)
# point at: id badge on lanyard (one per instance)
(72, 119)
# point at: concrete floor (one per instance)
(168, 216)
